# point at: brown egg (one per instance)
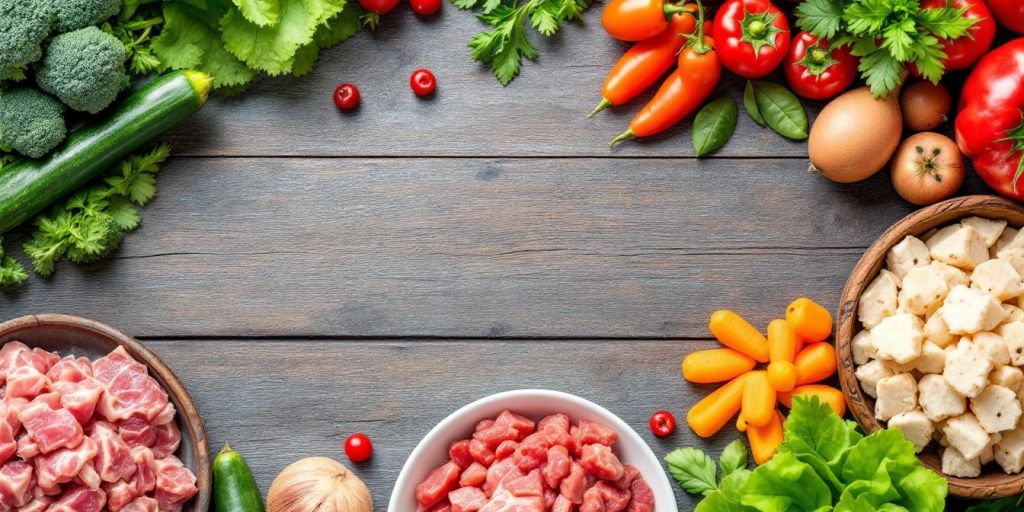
(925, 106)
(854, 136)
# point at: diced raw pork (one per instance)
(166, 415)
(518, 494)
(558, 420)
(88, 477)
(168, 437)
(144, 478)
(593, 501)
(473, 476)
(523, 425)
(459, 453)
(562, 504)
(574, 485)
(15, 354)
(64, 465)
(615, 499)
(51, 399)
(38, 504)
(480, 452)
(15, 483)
(483, 425)
(532, 452)
(599, 461)
(9, 414)
(79, 499)
(629, 473)
(136, 431)
(140, 504)
(438, 484)
(119, 494)
(555, 435)
(43, 360)
(130, 391)
(175, 484)
(26, 382)
(79, 398)
(505, 450)
(8, 444)
(549, 498)
(558, 467)
(51, 429)
(27, 447)
(595, 433)
(70, 369)
(114, 461)
(496, 434)
(642, 497)
(108, 367)
(497, 474)
(443, 506)
(467, 499)
(530, 485)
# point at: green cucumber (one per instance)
(234, 488)
(28, 186)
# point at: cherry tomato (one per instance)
(425, 7)
(816, 72)
(422, 82)
(358, 447)
(1009, 13)
(751, 36)
(662, 423)
(964, 51)
(636, 20)
(346, 96)
(378, 6)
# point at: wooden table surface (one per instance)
(309, 274)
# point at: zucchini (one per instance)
(28, 186)
(234, 488)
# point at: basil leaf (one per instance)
(781, 109)
(750, 104)
(714, 125)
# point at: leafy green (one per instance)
(191, 40)
(134, 27)
(272, 49)
(785, 484)
(12, 273)
(505, 47)
(779, 109)
(887, 35)
(693, 469)
(714, 124)
(1009, 504)
(750, 104)
(733, 458)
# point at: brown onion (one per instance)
(318, 484)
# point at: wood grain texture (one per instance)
(473, 248)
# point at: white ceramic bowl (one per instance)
(535, 404)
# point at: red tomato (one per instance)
(636, 20)
(425, 7)
(662, 423)
(358, 447)
(1009, 13)
(751, 37)
(816, 72)
(378, 6)
(964, 51)
(422, 82)
(346, 96)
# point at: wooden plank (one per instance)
(473, 247)
(542, 113)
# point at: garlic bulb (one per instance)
(318, 484)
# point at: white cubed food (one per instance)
(878, 300)
(1013, 334)
(955, 464)
(997, 277)
(967, 311)
(966, 435)
(1014, 256)
(1007, 376)
(898, 338)
(958, 245)
(990, 230)
(995, 346)
(938, 399)
(870, 373)
(1013, 314)
(989, 453)
(931, 360)
(1010, 238)
(923, 291)
(1009, 451)
(967, 368)
(952, 275)
(915, 426)
(896, 394)
(997, 409)
(937, 332)
(909, 253)
(863, 348)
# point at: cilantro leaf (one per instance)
(882, 72)
(12, 273)
(272, 49)
(820, 17)
(693, 469)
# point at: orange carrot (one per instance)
(736, 333)
(782, 375)
(758, 399)
(810, 321)
(826, 394)
(716, 365)
(765, 440)
(715, 410)
(741, 424)
(816, 362)
(781, 341)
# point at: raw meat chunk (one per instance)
(114, 461)
(593, 501)
(599, 461)
(130, 391)
(558, 420)
(505, 450)
(562, 504)
(25, 382)
(15, 484)
(643, 497)
(38, 504)
(65, 464)
(629, 474)
(136, 431)
(496, 434)
(473, 476)
(523, 425)
(615, 499)
(141, 504)
(438, 484)
(595, 433)
(480, 452)
(574, 485)
(558, 466)
(79, 398)
(166, 415)
(459, 454)
(168, 437)
(8, 444)
(70, 369)
(79, 499)
(554, 435)
(119, 494)
(530, 485)
(532, 452)
(467, 499)
(144, 478)
(175, 484)
(27, 447)
(51, 429)
(497, 474)
(88, 477)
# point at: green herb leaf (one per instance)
(882, 72)
(733, 458)
(781, 109)
(784, 483)
(260, 12)
(727, 497)
(750, 104)
(714, 124)
(693, 469)
(822, 18)
(12, 273)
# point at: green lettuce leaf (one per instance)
(727, 497)
(272, 49)
(784, 484)
(190, 39)
(260, 12)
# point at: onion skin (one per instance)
(318, 484)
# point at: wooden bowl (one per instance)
(990, 484)
(67, 334)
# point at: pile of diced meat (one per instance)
(84, 436)
(512, 464)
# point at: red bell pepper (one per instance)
(990, 124)
(817, 72)
(1009, 13)
(751, 36)
(964, 51)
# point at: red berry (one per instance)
(425, 7)
(422, 82)
(358, 447)
(378, 6)
(662, 423)
(346, 96)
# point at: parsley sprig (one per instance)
(505, 47)
(887, 35)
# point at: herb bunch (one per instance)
(887, 35)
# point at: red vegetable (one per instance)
(425, 7)
(645, 62)
(1009, 13)
(358, 447)
(636, 20)
(346, 96)
(816, 72)
(752, 37)
(662, 423)
(422, 82)
(964, 51)
(378, 6)
(990, 125)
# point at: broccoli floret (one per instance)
(84, 69)
(76, 14)
(31, 122)
(24, 24)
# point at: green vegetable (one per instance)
(887, 35)
(29, 186)
(1009, 504)
(135, 31)
(714, 125)
(84, 69)
(31, 122)
(505, 47)
(750, 104)
(12, 273)
(823, 464)
(76, 14)
(24, 26)
(779, 109)
(234, 488)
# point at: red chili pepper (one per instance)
(646, 62)
(964, 51)
(1009, 13)
(637, 20)
(990, 125)
(752, 37)
(817, 72)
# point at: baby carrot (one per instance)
(758, 399)
(765, 440)
(736, 333)
(715, 410)
(781, 341)
(782, 375)
(716, 365)
(816, 362)
(810, 321)
(826, 394)
(741, 424)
